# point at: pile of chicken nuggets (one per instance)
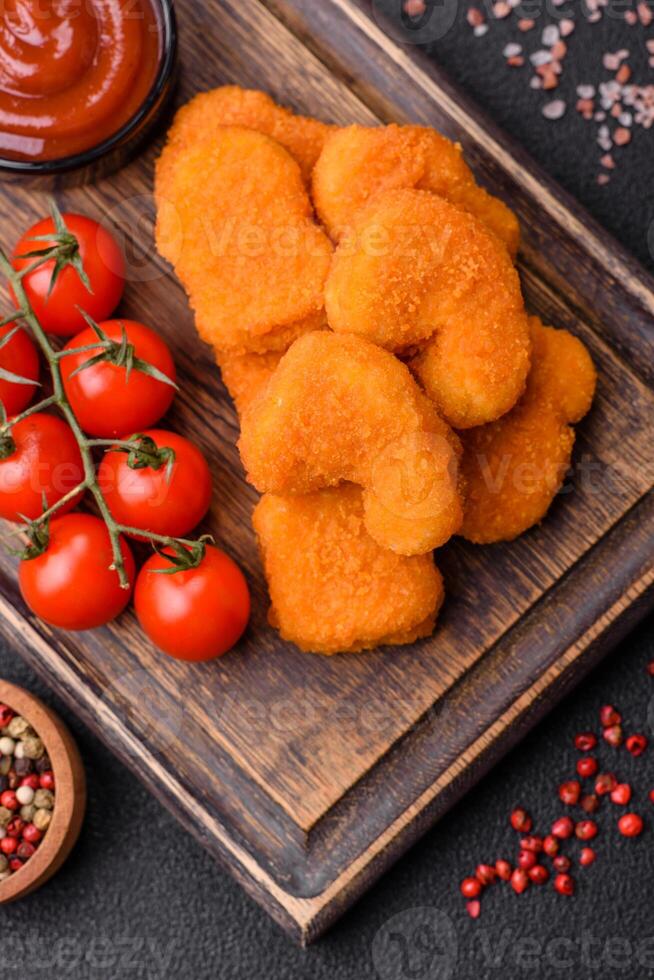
(359, 291)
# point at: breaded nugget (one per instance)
(419, 271)
(338, 409)
(333, 588)
(245, 375)
(359, 162)
(235, 220)
(515, 466)
(230, 105)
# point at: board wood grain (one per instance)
(307, 776)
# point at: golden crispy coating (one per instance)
(245, 375)
(515, 466)
(233, 106)
(359, 162)
(419, 271)
(340, 409)
(235, 220)
(333, 588)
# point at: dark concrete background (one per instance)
(140, 899)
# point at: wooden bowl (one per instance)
(70, 794)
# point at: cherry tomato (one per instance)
(71, 585)
(197, 614)
(166, 501)
(103, 264)
(19, 356)
(46, 460)
(106, 402)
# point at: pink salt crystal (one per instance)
(566, 27)
(475, 17)
(621, 136)
(611, 62)
(525, 24)
(608, 161)
(516, 61)
(645, 14)
(602, 179)
(501, 9)
(559, 50)
(631, 17)
(554, 110)
(649, 44)
(414, 8)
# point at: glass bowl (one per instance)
(113, 152)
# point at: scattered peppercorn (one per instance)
(586, 830)
(486, 874)
(519, 881)
(563, 828)
(613, 735)
(473, 908)
(631, 825)
(636, 744)
(585, 742)
(521, 821)
(590, 803)
(587, 856)
(564, 884)
(532, 843)
(609, 716)
(470, 888)
(551, 846)
(570, 792)
(539, 874)
(587, 766)
(527, 859)
(621, 794)
(504, 869)
(605, 783)
(27, 796)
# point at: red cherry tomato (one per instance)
(106, 402)
(197, 614)
(165, 502)
(46, 460)
(103, 264)
(19, 356)
(71, 585)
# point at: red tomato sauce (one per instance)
(72, 72)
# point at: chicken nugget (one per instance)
(235, 220)
(359, 162)
(245, 375)
(419, 271)
(515, 466)
(339, 409)
(333, 588)
(230, 105)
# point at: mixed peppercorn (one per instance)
(27, 791)
(529, 868)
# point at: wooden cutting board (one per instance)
(309, 776)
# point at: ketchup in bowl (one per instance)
(72, 73)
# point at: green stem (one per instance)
(51, 511)
(60, 354)
(32, 410)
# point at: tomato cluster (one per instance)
(118, 379)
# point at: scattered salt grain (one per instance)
(550, 35)
(586, 91)
(475, 17)
(566, 27)
(540, 58)
(554, 110)
(480, 30)
(501, 9)
(526, 25)
(511, 50)
(602, 179)
(621, 136)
